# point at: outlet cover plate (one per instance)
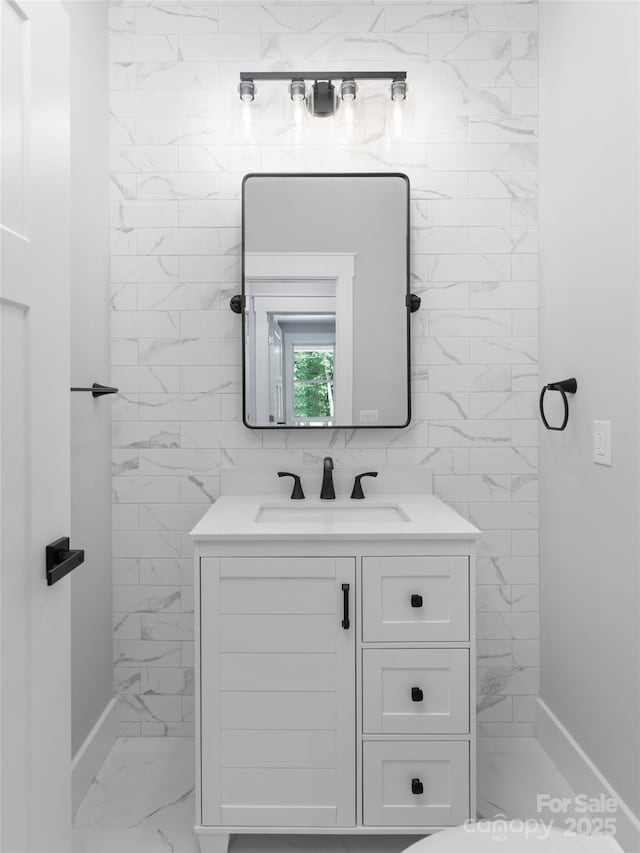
(602, 442)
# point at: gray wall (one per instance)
(589, 329)
(91, 655)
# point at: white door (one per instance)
(35, 760)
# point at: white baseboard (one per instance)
(582, 774)
(89, 758)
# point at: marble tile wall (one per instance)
(180, 143)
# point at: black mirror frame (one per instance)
(412, 302)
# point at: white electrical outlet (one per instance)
(602, 442)
(368, 416)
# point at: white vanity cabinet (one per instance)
(335, 680)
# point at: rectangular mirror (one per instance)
(325, 295)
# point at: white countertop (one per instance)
(233, 517)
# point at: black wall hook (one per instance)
(60, 560)
(98, 390)
(566, 386)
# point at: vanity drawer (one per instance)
(415, 599)
(415, 783)
(415, 691)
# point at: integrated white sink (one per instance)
(332, 512)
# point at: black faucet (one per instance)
(328, 493)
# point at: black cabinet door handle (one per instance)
(345, 606)
(417, 787)
(416, 600)
(60, 560)
(416, 694)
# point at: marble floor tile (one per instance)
(142, 800)
(511, 774)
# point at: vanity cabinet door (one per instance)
(278, 686)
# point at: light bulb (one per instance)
(247, 90)
(297, 90)
(348, 90)
(398, 90)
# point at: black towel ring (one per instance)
(567, 386)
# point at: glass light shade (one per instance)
(297, 90)
(398, 90)
(247, 90)
(348, 90)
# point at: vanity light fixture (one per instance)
(247, 90)
(321, 99)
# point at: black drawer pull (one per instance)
(417, 787)
(345, 606)
(416, 600)
(416, 694)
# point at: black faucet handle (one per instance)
(297, 494)
(357, 494)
